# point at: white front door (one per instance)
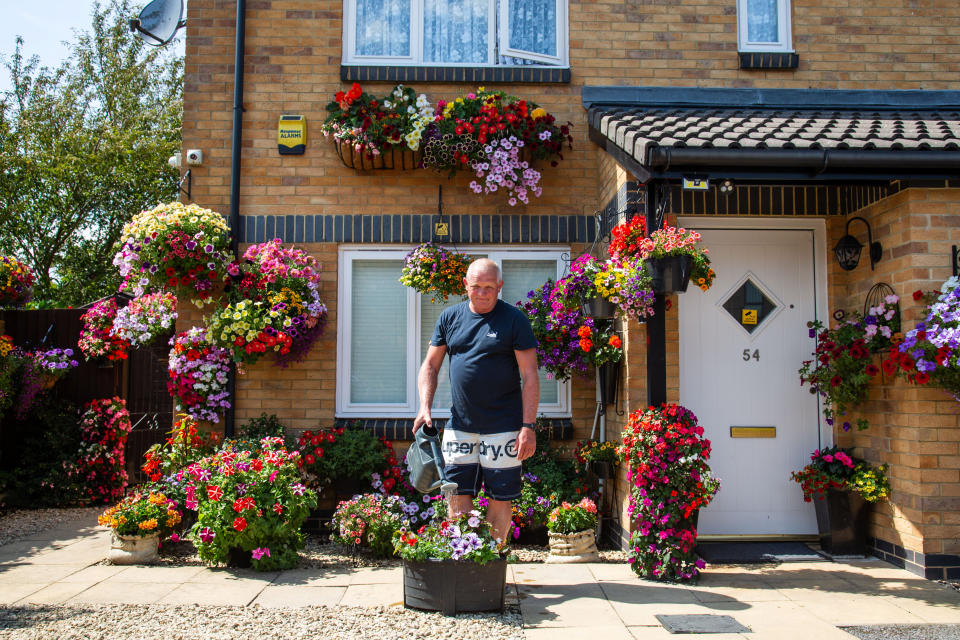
(741, 344)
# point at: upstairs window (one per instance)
(455, 32)
(764, 25)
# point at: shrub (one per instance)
(370, 520)
(351, 453)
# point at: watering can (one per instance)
(426, 463)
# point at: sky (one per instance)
(44, 25)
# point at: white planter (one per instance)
(133, 549)
(573, 547)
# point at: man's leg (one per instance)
(499, 513)
(460, 504)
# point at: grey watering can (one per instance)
(426, 463)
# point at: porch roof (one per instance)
(791, 134)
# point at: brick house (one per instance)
(809, 113)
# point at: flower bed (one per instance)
(174, 247)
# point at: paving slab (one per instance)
(12, 592)
(57, 593)
(283, 596)
(163, 575)
(606, 632)
(552, 574)
(377, 575)
(570, 605)
(224, 594)
(94, 573)
(46, 573)
(114, 592)
(373, 595)
(315, 577)
(218, 576)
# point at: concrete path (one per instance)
(792, 600)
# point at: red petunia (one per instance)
(922, 377)
(917, 295)
(835, 381)
(871, 370)
(239, 524)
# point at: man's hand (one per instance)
(526, 443)
(423, 418)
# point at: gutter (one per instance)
(229, 414)
(819, 160)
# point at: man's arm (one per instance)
(427, 383)
(527, 440)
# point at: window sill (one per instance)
(513, 75)
(402, 428)
(768, 60)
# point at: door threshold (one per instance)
(758, 537)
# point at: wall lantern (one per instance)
(848, 248)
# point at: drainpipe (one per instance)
(656, 324)
(229, 416)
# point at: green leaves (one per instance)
(82, 148)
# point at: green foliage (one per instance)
(142, 515)
(45, 452)
(83, 147)
(351, 453)
(256, 429)
(468, 537)
(573, 518)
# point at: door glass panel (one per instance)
(749, 306)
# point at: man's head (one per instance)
(483, 283)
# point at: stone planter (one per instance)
(133, 549)
(573, 547)
(454, 586)
(843, 518)
(670, 274)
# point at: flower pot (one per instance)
(670, 274)
(393, 158)
(609, 382)
(47, 382)
(533, 536)
(599, 307)
(843, 518)
(133, 549)
(573, 547)
(601, 468)
(454, 586)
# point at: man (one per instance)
(495, 391)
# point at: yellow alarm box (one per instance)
(292, 135)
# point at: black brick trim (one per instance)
(402, 428)
(406, 229)
(933, 566)
(472, 75)
(762, 60)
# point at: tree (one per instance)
(83, 148)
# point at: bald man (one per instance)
(495, 391)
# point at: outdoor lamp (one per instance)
(848, 248)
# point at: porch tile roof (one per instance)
(638, 129)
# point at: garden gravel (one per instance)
(905, 632)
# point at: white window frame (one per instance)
(408, 409)
(496, 18)
(784, 43)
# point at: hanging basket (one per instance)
(599, 307)
(670, 274)
(402, 159)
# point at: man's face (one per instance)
(482, 290)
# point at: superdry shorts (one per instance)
(491, 459)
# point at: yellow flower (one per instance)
(539, 112)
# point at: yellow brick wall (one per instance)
(913, 429)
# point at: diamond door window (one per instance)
(749, 306)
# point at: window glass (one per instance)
(378, 330)
(383, 28)
(762, 21)
(429, 312)
(533, 26)
(455, 31)
(519, 278)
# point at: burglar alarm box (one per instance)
(292, 135)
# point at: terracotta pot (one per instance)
(573, 547)
(133, 549)
(454, 586)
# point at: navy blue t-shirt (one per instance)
(484, 375)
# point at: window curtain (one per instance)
(383, 28)
(763, 21)
(429, 312)
(456, 31)
(519, 278)
(378, 333)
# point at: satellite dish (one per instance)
(159, 21)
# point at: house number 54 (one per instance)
(747, 355)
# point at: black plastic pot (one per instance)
(843, 518)
(670, 274)
(602, 468)
(599, 307)
(454, 586)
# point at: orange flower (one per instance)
(615, 342)
(584, 331)
(585, 344)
